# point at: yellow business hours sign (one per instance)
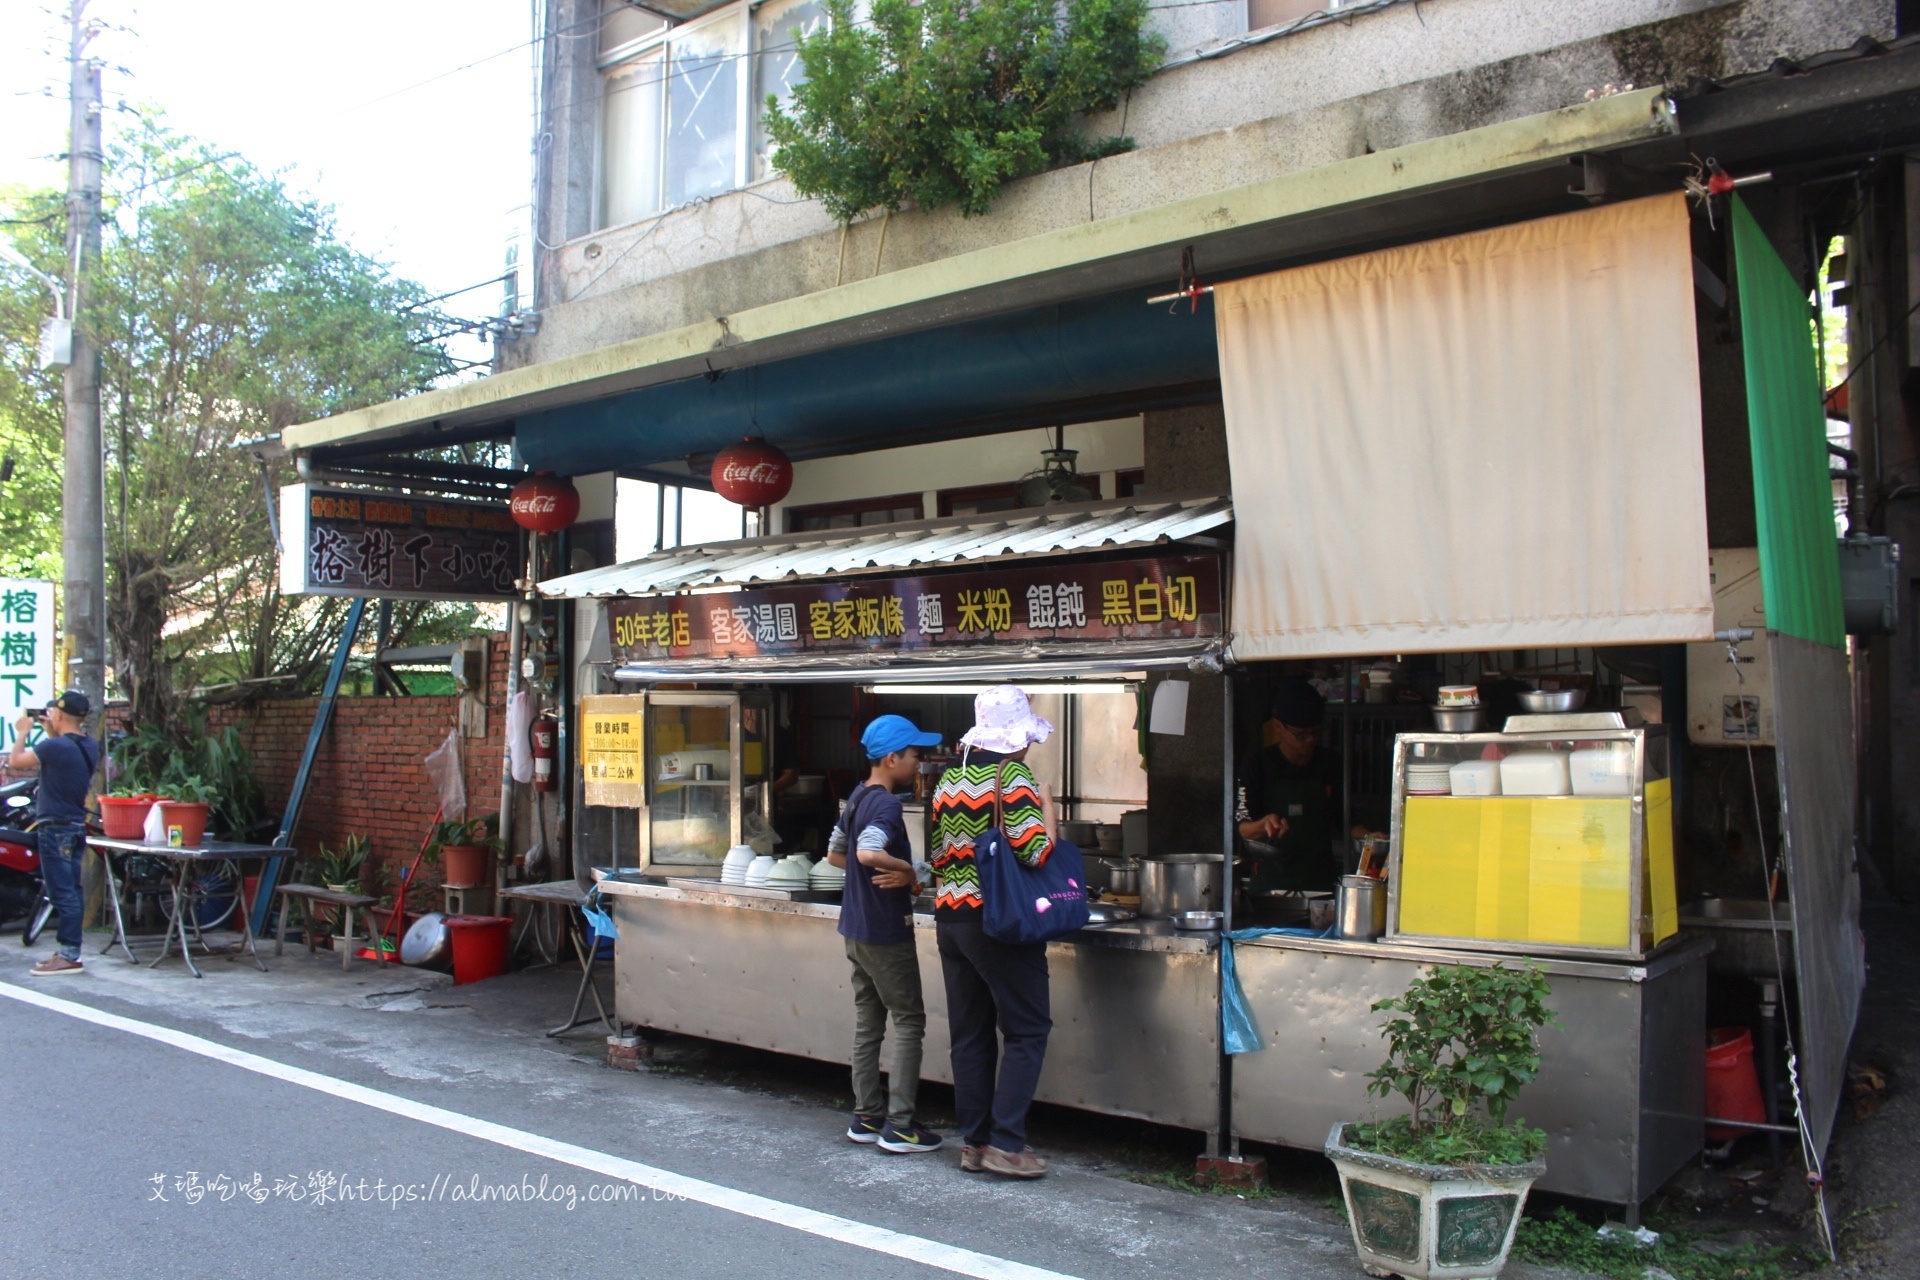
(611, 733)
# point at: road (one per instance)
(252, 1124)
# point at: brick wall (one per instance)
(370, 776)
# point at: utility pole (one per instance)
(83, 493)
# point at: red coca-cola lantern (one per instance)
(752, 473)
(545, 503)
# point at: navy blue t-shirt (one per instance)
(66, 771)
(868, 914)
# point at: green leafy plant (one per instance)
(343, 865)
(940, 101)
(470, 833)
(1562, 1240)
(217, 765)
(188, 788)
(1462, 1044)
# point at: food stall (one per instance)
(677, 730)
(681, 735)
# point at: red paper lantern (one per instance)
(545, 503)
(752, 473)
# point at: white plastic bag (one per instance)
(443, 766)
(155, 832)
(519, 749)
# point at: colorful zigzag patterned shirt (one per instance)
(963, 811)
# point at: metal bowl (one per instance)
(1197, 921)
(428, 944)
(1552, 701)
(1459, 719)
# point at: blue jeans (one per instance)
(61, 846)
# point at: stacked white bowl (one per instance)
(790, 872)
(734, 869)
(827, 877)
(756, 877)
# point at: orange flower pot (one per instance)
(464, 865)
(189, 818)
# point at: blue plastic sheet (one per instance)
(599, 921)
(1238, 1031)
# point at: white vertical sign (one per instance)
(26, 649)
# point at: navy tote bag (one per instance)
(1022, 903)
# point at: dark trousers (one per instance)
(61, 846)
(993, 984)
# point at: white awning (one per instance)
(1002, 535)
(1490, 441)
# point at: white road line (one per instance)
(781, 1214)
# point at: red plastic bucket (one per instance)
(124, 817)
(479, 946)
(1733, 1088)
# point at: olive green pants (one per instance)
(886, 980)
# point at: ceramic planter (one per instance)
(189, 818)
(1428, 1221)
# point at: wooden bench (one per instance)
(305, 895)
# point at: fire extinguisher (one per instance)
(545, 735)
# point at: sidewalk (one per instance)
(757, 1122)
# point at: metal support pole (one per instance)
(1346, 768)
(83, 493)
(506, 755)
(322, 717)
(1225, 1143)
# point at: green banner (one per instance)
(1793, 495)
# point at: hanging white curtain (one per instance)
(1490, 441)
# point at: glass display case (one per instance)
(1553, 838)
(705, 761)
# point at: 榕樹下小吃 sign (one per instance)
(27, 646)
(349, 542)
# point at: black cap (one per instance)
(73, 702)
(1298, 703)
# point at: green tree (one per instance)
(226, 308)
(30, 406)
(940, 101)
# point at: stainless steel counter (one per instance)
(1135, 1030)
(1621, 1091)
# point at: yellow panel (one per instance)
(1665, 905)
(1579, 871)
(1519, 869)
(1439, 866)
(753, 758)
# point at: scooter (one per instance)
(21, 889)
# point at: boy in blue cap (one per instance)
(876, 918)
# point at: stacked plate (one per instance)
(734, 869)
(756, 877)
(827, 877)
(1429, 778)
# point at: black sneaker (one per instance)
(912, 1138)
(866, 1128)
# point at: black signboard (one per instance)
(346, 542)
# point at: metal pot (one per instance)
(429, 943)
(1123, 876)
(1362, 907)
(1175, 882)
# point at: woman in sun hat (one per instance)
(992, 984)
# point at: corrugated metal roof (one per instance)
(1043, 531)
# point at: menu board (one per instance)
(1027, 603)
(612, 729)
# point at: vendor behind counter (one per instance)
(1289, 803)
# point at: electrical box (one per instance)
(1729, 704)
(1870, 585)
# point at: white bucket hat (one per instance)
(1003, 721)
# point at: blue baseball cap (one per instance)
(888, 734)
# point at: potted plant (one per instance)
(188, 799)
(463, 850)
(123, 812)
(340, 870)
(1438, 1192)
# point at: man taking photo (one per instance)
(66, 758)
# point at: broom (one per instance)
(386, 947)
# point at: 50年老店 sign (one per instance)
(1155, 598)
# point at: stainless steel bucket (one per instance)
(1362, 907)
(1175, 882)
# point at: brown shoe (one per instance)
(970, 1159)
(56, 964)
(1013, 1164)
